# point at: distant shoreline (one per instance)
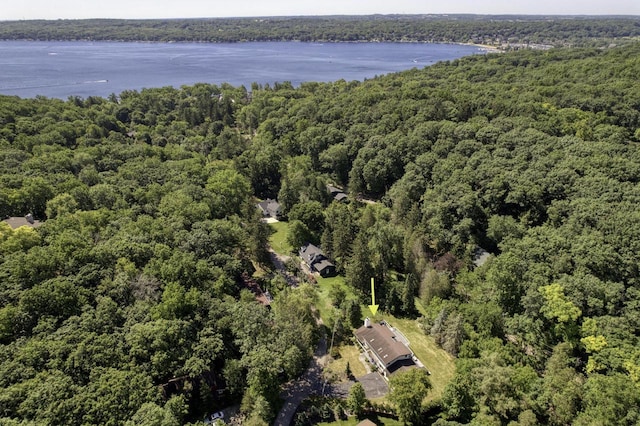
(89, 40)
(491, 32)
(487, 47)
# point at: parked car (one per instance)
(212, 418)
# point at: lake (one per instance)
(63, 69)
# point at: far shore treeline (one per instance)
(503, 30)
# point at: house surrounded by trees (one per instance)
(270, 208)
(337, 194)
(316, 260)
(384, 348)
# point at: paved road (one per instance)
(278, 261)
(309, 384)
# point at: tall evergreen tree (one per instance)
(359, 269)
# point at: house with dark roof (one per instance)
(386, 348)
(270, 208)
(337, 194)
(316, 260)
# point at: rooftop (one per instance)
(28, 220)
(383, 342)
(270, 207)
(311, 253)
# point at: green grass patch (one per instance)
(278, 239)
(337, 369)
(324, 300)
(436, 360)
(331, 281)
(324, 304)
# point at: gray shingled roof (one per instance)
(16, 222)
(383, 342)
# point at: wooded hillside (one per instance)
(497, 30)
(150, 232)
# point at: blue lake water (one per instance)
(63, 69)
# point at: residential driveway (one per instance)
(310, 383)
(279, 261)
(374, 385)
(338, 390)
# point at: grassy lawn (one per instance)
(437, 361)
(324, 299)
(278, 240)
(336, 370)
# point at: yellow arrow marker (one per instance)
(373, 306)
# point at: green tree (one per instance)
(339, 233)
(20, 239)
(230, 191)
(299, 234)
(151, 414)
(176, 302)
(559, 309)
(407, 391)
(114, 396)
(562, 387)
(503, 227)
(610, 400)
(336, 159)
(311, 214)
(33, 196)
(454, 334)
(359, 269)
(60, 205)
(434, 284)
(48, 396)
(58, 298)
(458, 398)
(233, 376)
(502, 388)
(505, 276)
(356, 400)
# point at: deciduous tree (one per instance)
(407, 392)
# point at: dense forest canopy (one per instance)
(126, 306)
(497, 30)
